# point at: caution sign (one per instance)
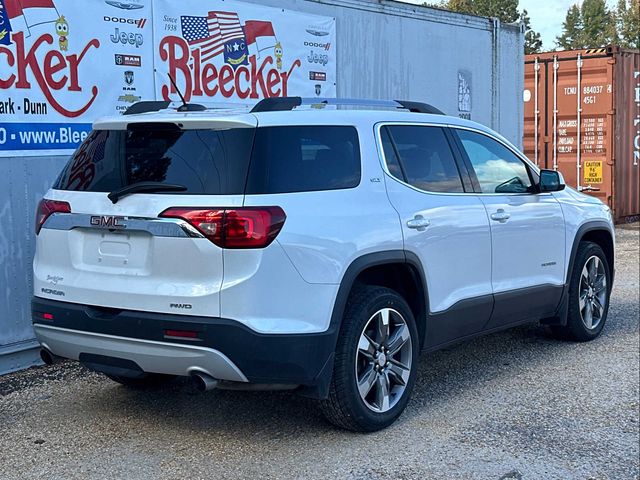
(593, 171)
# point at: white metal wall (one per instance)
(386, 50)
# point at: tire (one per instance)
(356, 357)
(149, 381)
(586, 314)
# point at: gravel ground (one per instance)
(514, 405)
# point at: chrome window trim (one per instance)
(158, 227)
(383, 160)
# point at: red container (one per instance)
(599, 91)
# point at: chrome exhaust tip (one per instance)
(204, 382)
(47, 357)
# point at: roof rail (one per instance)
(279, 104)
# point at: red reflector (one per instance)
(242, 227)
(181, 333)
(47, 316)
(48, 207)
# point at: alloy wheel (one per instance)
(383, 360)
(593, 292)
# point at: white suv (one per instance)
(307, 248)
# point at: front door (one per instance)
(446, 228)
(527, 231)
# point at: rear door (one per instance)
(445, 227)
(122, 255)
(527, 230)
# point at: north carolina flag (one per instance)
(24, 14)
(260, 36)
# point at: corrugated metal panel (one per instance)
(579, 115)
(24, 180)
(386, 50)
(389, 49)
(627, 138)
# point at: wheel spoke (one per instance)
(398, 339)
(584, 278)
(583, 299)
(366, 346)
(588, 315)
(398, 372)
(383, 326)
(593, 269)
(382, 392)
(600, 284)
(367, 381)
(599, 308)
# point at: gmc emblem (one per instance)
(108, 221)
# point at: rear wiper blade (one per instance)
(147, 187)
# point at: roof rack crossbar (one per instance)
(146, 106)
(279, 104)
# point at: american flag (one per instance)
(209, 34)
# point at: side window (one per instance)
(421, 157)
(304, 158)
(498, 169)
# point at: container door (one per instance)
(445, 228)
(527, 232)
(534, 97)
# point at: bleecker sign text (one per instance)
(259, 79)
(593, 171)
(55, 73)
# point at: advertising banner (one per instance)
(219, 50)
(65, 63)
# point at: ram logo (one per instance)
(183, 306)
(108, 221)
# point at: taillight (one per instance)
(48, 207)
(242, 227)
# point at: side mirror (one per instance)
(551, 181)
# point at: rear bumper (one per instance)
(149, 356)
(223, 348)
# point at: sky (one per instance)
(546, 16)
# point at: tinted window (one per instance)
(204, 161)
(421, 156)
(498, 169)
(304, 158)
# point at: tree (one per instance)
(591, 25)
(598, 24)
(505, 10)
(628, 23)
(571, 36)
(532, 40)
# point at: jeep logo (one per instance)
(184, 306)
(108, 221)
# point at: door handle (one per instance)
(418, 223)
(500, 216)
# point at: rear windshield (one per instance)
(216, 162)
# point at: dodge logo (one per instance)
(108, 221)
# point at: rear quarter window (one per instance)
(290, 159)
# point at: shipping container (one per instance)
(465, 65)
(582, 117)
